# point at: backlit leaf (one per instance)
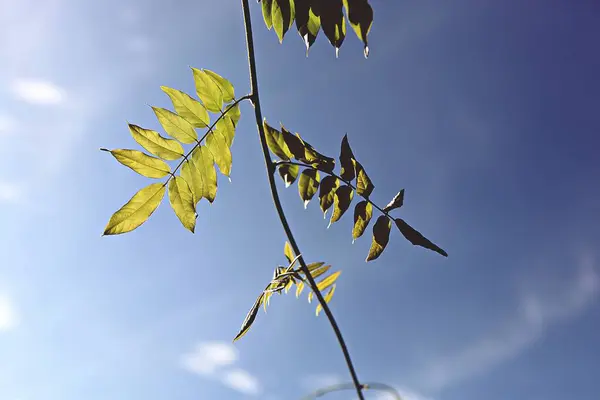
(396, 202)
(235, 114)
(316, 159)
(203, 161)
(167, 149)
(176, 126)
(308, 21)
(282, 16)
(364, 186)
(333, 22)
(381, 237)
(308, 183)
(226, 127)
(362, 215)
(416, 238)
(327, 299)
(187, 107)
(319, 271)
(226, 87)
(347, 161)
(288, 252)
(190, 173)
(289, 173)
(299, 288)
(294, 144)
(341, 202)
(136, 211)
(217, 144)
(313, 266)
(208, 90)
(141, 163)
(276, 142)
(330, 280)
(329, 184)
(360, 16)
(266, 9)
(182, 202)
(250, 317)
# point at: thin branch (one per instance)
(271, 175)
(380, 387)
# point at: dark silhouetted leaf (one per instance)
(316, 159)
(141, 163)
(308, 21)
(217, 144)
(348, 172)
(282, 16)
(360, 16)
(182, 202)
(205, 173)
(381, 237)
(136, 211)
(327, 299)
(294, 144)
(250, 317)
(176, 126)
(187, 107)
(226, 87)
(416, 238)
(341, 202)
(167, 149)
(308, 183)
(289, 173)
(364, 186)
(362, 215)
(329, 184)
(208, 90)
(333, 22)
(276, 142)
(396, 202)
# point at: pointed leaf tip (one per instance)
(416, 238)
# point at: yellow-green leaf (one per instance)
(167, 149)
(381, 237)
(299, 288)
(141, 163)
(312, 266)
(288, 252)
(347, 161)
(217, 144)
(360, 16)
(250, 317)
(308, 183)
(136, 211)
(182, 202)
(282, 16)
(289, 173)
(341, 201)
(176, 126)
(396, 202)
(235, 114)
(225, 86)
(319, 271)
(362, 216)
(416, 238)
(330, 280)
(227, 129)
(328, 186)
(188, 107)
(205, 170)
(327, 299)
(276, 142)
(266, 9)
(364, 186)
(208, 90)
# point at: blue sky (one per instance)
(484, 111)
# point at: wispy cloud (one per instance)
(242, 381)
(37, 91)
(313, 382)
(536, 313)
(8, 315)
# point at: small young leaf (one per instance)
(308, 183)
(136, 211)
(416, 238)
(289, 173)
(288, 252)
(330, 280)
(276, 142)
(313, 266)
(142, 163)
(205, 170)
(282, 16)
(299, 288)
(250, 317)
(333, 22)
(329, 184)
(226, 87)
(341, 202)
(327, 299)
(360, 16)
(176, 126)
(381, 237)
(348, 171)
(319, 271)
(362, 215)
(208, 90)
(217, 144)
(187, 107)
(364, 186)
(396, 202)
(266, 9)
(182, 202)
(167, 149)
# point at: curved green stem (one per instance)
(271, 175)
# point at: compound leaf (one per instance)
(141, 163)
(396, 202)
(228, 93)
(416, 238)
(289, 173)
(203, 161)
(341, 202)
(167, 149)
(362, 216)
(136, 211)
(182, 202)
(176, 126)
(188, 107)
(308, 183)
(208, 90)
(381, 237)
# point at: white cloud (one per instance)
(7, 124)
(536, 313)
(320, 381)
(8, 316)
(10, 193)
(37, 91)
(242, 381)
(207, 357)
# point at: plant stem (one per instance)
(271, 175)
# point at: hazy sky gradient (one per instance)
(484, 111)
